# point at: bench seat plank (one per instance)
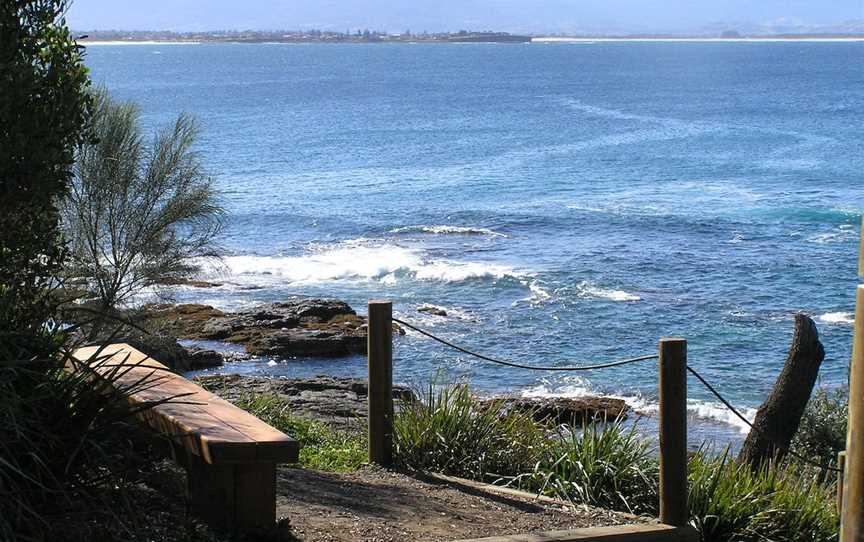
(203, 423)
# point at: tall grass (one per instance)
(730, 502)
(449, 431)
(605, 465)
(609, 465)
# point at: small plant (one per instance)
(822, 432)
(603, 464)
(322, 448)
(451, 432)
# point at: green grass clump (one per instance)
(322, 448)
(731, 502)
(609, 465)
(451, 432)
(605, 465)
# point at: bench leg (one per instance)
(233, 497)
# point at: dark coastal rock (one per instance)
(431, 309)
(167, 281)
(324, 398)
(201, 358)
(564, 410)
(295, 327)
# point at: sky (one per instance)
(532, 16)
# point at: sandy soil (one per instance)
(378, 505)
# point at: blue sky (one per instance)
(537, 16)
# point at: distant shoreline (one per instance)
(540, 40)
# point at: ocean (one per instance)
(563, 202)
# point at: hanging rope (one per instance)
(750, 425)
(513, 364)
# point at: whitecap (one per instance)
(354, 261)
(577, 387)
(448, 230)
(837, 318)
(588, 289)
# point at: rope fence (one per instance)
(606, 365)
(580, 367)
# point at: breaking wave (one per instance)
(448, 230)
(387, 263)
(837, 318)
(588, 289)
(575, 387)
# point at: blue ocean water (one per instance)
(562, 202)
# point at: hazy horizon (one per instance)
(539, 16)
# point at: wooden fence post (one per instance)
(841, 466)
(380, 352)
(673, 432)
(852, 515)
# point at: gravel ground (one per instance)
(378, 505)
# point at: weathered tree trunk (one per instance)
(778, 418)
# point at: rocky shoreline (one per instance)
(306, 327)
(343, 401)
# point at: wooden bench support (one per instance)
(230, 456)
(233, 497)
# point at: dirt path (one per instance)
(378, 505)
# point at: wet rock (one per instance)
(565, 410)
(432, 309)
(295, 327)
(188, 282)
(324, 398)
(201, 358)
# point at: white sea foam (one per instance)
(575, 386)
(588, 289)
(837, 318)
(448, 230)
(352, 261)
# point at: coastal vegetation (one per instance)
(138, 215)
(607, 464)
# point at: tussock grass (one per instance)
(605, 465)
(609, 465)
(730, 502)
(449, 431)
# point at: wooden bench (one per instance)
(230, 455)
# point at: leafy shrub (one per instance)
(822, 432)
(449, 431)
(603, 464)
(44, 111)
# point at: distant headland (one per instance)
(375, 36)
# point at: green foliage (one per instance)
(609, 465)
(44, 109)
(450, 432)
(322, 447)
(822, 432)
(730, 502)
(137, 214)
(603, 465)
(65, 451)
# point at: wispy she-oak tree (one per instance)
(139, 214)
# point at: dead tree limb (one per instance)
(778, 418)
